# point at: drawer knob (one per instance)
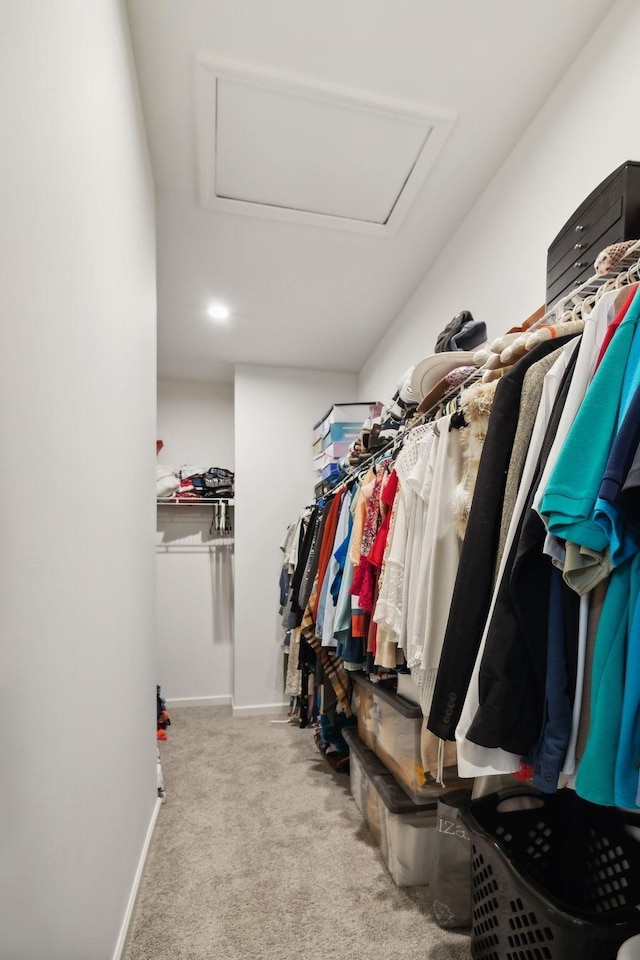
(578, 246)
(579, 265)
(579, 228)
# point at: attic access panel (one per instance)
(278, 148)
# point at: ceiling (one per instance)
(312, 159)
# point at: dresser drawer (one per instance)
(579, 228)
(583, 244)
(581, 268)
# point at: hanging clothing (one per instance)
(474, 582)
(333, 577)
(622, 540)
(419, 484)
(389, 607)
(476, 403)
(440, 546)
(568, 502)
(548, 755)
(529, 402)
(307, 539)
(475, 759)
(513, 670)
(498, 559)
(595, 780)
(333, 511)
(591, 339)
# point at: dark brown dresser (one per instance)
(610, 214)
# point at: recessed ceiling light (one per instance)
(218, 311)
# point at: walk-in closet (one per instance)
(321, 413)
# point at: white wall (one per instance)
(275, 410)
(77, 419)
(194, 579)
(195, 421)
(495, 264)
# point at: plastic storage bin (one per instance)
(363, 767)
(409, 843)
(363, 709)
(398, 726)
(392, 727)
(404, 831)
(556, 881)
(398, 732)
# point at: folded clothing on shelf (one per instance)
(189, 470)
(166, 482)
(216, 482)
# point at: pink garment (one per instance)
(372, 518)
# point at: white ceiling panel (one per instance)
(277, 147)
(301, 294)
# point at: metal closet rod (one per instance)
(628, 264)
(194, 547)
(593, 287)
(402, 434)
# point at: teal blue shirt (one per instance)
(597, 771)
(568, 503)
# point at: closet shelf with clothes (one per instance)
(192, 483)
(491, 550)
(205, 502)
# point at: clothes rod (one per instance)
(405, 429)
(594, 287)
(192, 547)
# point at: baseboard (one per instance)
(133, 896)
(199, 701)
(261, 709)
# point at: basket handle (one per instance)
(514, 799)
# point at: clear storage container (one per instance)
(363, 709)
(404, 831)
(391, 726)
(360, 780)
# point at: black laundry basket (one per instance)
(560, 881)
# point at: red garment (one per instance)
(365, 580)
(371, 527)
(388, 496)
(365, 587)
(615, 323)
(359, 623)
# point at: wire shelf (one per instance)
(204, 502)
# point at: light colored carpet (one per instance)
(261, 854)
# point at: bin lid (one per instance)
(389, 790)
(404, 707)
(397, 801)
(373, 766)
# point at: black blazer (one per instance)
(474, 582)
(514, 664)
